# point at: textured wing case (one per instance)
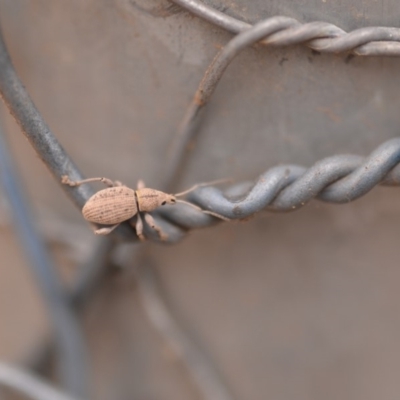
(111, 206)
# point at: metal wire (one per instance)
(336, 179)
(50, 156)
(276, 31)
(175, 220)
(284, 188)
(192, 118)
(30, 385)
(40, 136)
(36, 130)
(197, 363)
(68, 338)
(90, 274)
(320, 36)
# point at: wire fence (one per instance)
(336, 179)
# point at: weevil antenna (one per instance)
(203, 211)
(194, 187)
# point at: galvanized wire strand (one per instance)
(40, 136)
(277, 30)
(36, 130)
(320, 36)
(266, 192)
(336, 179)
(91, 272)
(189, 126)
(68, 337)
(59, 163)
(89, 276)
(200, 368)
(213, 16)
(45, 143)
(29, 384)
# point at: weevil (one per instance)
(119, 203)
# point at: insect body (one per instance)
(111, 206)
(118, 203)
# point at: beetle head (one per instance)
(150, 199)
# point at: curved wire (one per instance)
(69, 341)
(320, 36)
(190, 124)
(282, 188)
(275, 31)
(46, 145)
(30, 385)
(36, 130)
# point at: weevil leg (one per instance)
(139, 227)
(150, 220)
(66, 181)
(105, 230)
(140, 184)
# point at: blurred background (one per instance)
(302, 305)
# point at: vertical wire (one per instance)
(68, 337)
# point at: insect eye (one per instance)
(164, 203)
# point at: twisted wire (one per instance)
(335, 179)
(320, 36)
(176, 220)
(282, 188)
(276, 31)
(189, 126)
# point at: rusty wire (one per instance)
(318, 35)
